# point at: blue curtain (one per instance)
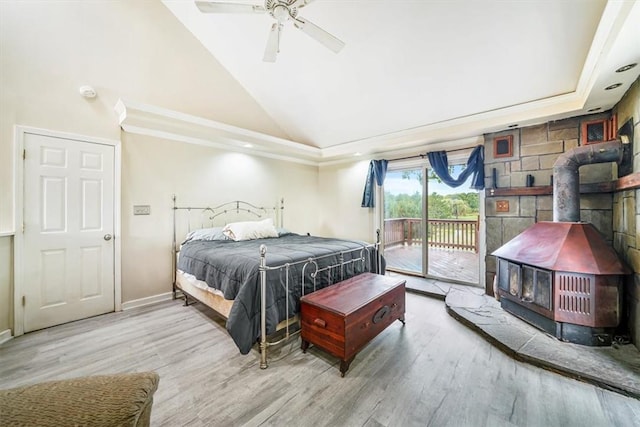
(376, 174)
(475, 168)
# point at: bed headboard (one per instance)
(188, 218)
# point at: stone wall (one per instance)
(626, 214)
(615, 215)
(535, 150)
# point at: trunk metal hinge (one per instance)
(24, 300)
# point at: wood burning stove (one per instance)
(562, 276)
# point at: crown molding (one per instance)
(143, 119)
(149, 120)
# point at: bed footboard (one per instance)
(312, 266)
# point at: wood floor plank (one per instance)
(432, 371)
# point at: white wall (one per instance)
(130, 49)
(198, 176)
(340, 196)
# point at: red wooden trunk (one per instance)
(341, 319)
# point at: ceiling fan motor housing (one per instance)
(281, 10)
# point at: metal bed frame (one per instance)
(312, 263)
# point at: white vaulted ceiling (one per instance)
(420, 73)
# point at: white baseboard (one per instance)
(154, 299)
(5, 336)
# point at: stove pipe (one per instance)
(566, 179)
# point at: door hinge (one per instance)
(24, 154)
(24, 300)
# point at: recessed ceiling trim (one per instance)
(611, 22)
(168, 124)
(391, 155)
(462, 127)
(144, 113)
(158, 122)
(208, 143)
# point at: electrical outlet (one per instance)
(141, 209)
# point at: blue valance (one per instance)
(376, 174)
(475, 168)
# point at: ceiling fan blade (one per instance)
(221, 7)
(319, 34)
(300, 3)
(273, 43)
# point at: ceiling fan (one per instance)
(282, 11)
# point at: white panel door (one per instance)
(68, 251)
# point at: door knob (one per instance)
(107, 237)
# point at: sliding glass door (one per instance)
(430, 229)
(452, 229)
(403, 220)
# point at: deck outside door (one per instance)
(443, 246)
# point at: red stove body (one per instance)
(563, 278)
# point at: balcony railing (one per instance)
(441, 233)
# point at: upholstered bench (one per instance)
(106, 400)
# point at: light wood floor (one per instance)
(433, 371)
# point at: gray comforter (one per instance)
(233, 268)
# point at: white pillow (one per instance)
(214, 233)
(250, 230)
